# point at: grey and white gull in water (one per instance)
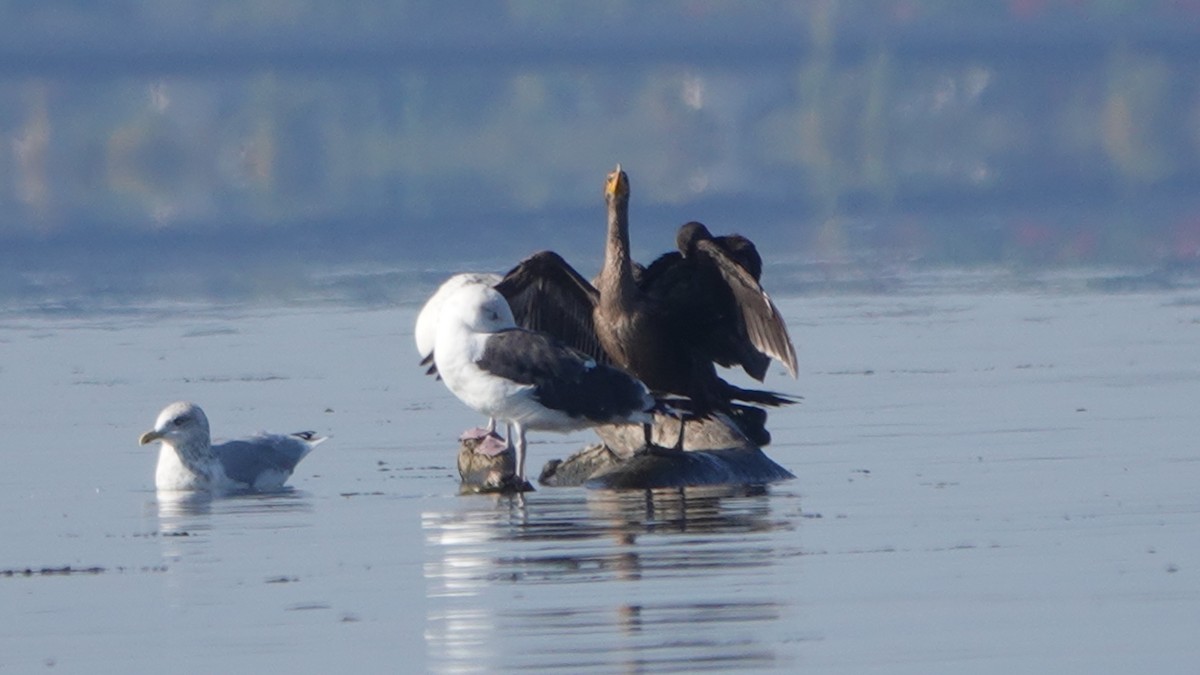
(527, 378)
(188, 460)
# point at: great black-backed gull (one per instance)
(425, 335)
(528, 378)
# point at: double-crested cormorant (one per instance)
(528, 378)
(189, 461)
(717, 279)
(668, 324)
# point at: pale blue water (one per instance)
(987, 482)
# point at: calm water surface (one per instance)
(987, 482)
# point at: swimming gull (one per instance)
(188, 460)
(527, 378)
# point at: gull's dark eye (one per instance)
(178, 421)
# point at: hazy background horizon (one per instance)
(239, 150)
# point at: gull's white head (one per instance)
(179, 424)
(479, 309)
(425, 333)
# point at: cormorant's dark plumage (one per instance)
(668, 324)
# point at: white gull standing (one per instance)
(425, 335)
(526, 378)
(188, 460)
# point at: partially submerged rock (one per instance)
(716, 452)
(481, 469)
(659, 467)
(714, 433)
(579, 467)
(599, 467)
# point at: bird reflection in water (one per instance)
(172, 505)
(181, 513)
(195, 529)
(184, 514)
(580, 578)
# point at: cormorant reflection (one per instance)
(574, 578)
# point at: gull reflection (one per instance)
(176, 504)
(181, 513)
(187, 521)
(460, 629)
(184, 516)
(612, 580)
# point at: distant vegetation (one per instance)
(1027, 132)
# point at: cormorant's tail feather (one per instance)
(759, 396)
